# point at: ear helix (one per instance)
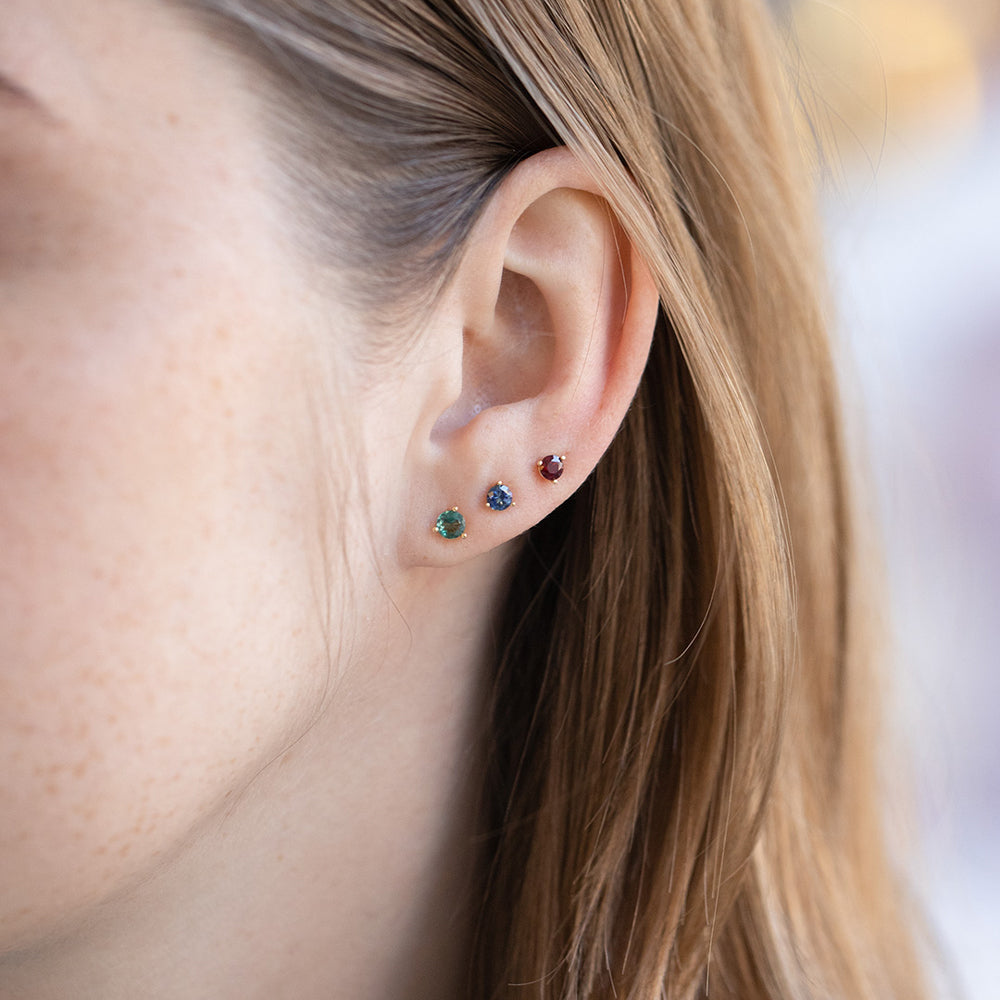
(451, 524)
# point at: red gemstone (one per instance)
(551, 467)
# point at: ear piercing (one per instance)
(551, 467)
(499, 497)
(450, 523)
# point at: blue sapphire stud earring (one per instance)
(450, 524)
(499, 497)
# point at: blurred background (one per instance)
(901, 113)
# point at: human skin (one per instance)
(161, 632)
(238, 736)
(148, 458)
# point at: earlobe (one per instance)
(553, 315)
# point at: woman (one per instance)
(427, 561)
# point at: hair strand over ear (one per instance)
(682, 784)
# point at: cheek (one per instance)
(159, 636)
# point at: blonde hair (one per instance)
(682, 795)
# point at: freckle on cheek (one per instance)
(86, 813)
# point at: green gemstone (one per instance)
(450, 524)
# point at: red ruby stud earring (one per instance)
(551, 467)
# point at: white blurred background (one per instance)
(904, 98)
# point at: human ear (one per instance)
(540, 340)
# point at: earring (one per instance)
(499, 497)
(450, 524)
(551, 467)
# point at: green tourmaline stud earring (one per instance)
(450, 524)
(551, 467)
(499, 497)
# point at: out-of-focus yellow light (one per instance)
(881, 77)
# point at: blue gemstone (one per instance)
(499, 497)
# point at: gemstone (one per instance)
(551, 467)
(450, 524)
(499, 497)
